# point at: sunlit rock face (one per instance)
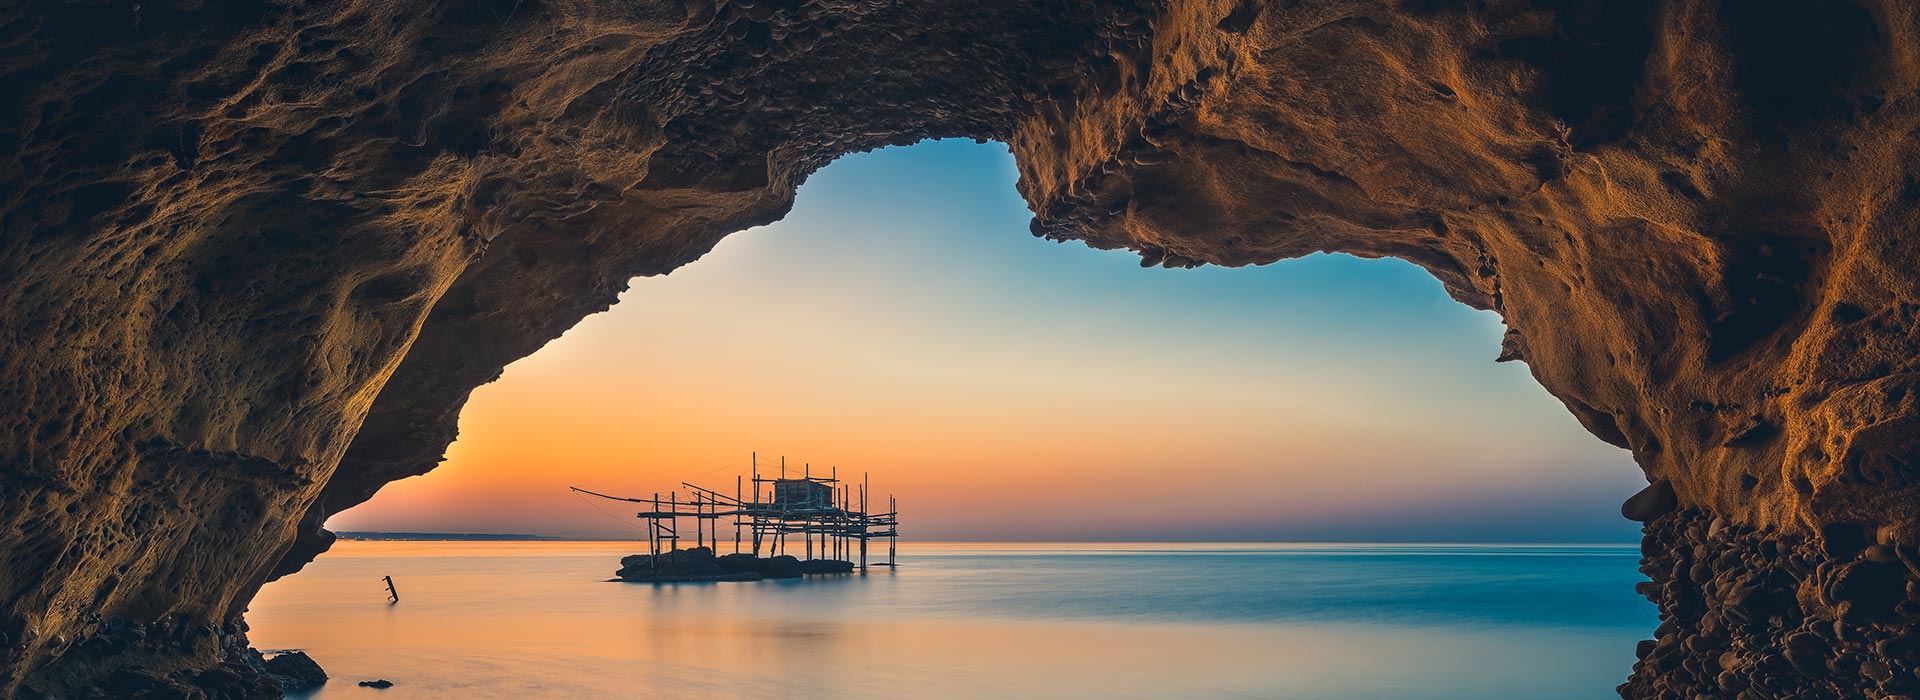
(256, 256)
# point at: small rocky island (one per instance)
(699, 564)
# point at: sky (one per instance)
(901, 323)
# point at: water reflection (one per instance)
(969, 621)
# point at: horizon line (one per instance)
(362, 535)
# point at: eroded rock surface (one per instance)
(255, 255)
(1754, 614)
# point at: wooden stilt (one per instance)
(831, 517)
(756, 499)
(864, 478)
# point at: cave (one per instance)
(256, 256)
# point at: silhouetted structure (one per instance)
(818, 510)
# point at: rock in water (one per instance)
(295, 670)
(827, 566)
(699, 564)
(739, 562)
(782, 566)
(380, 684)
(679, 566)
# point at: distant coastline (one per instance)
(1466, 544)
(446, 537)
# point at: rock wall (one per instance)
(1754, 614)
(257, 254)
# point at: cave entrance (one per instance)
(1012, 390)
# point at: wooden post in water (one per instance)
(806, 526)
(393, 594)
(864, 478)
(829, 535)
(653, 533)
(755, 520)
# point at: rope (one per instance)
(735, 464)
(624, 521)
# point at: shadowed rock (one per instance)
(295, 670)
(781, 566)
(826, 566)
(679, 566)
(739, 562)
(698, 564)
(1655, 500)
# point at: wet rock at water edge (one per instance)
(738, 562)
(782, 566)
(699, 565)
(827, 566)
(295, 670)
(695, 565)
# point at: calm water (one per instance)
(1305, 622)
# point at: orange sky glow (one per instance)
(901, 322)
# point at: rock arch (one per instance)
(256, 255)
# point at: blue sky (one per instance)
(902, 321)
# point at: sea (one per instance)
(540, 619)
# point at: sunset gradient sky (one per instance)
(901, 321)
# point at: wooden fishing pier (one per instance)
(828, 517)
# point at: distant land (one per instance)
(1465, 542)
(441, 536)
